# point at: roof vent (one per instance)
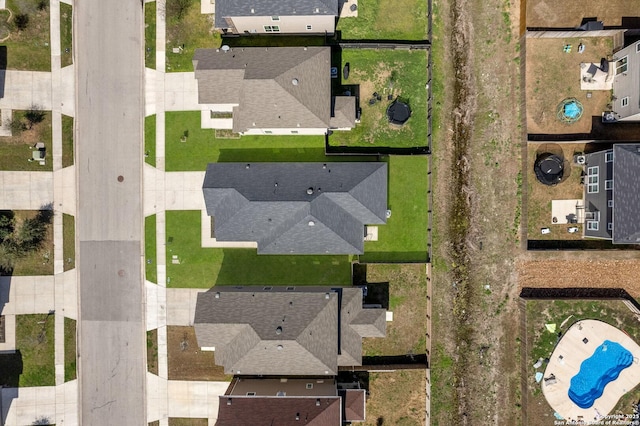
(247, 166)
(217, 296)
(294, 81)
(253, 10)
(312, 223)
(279, 347)
(317, 402)
(279, 330)
(310, 190)
(225, 48)
(297, 416)
(228, 401)
(324, 166)
(326, 296)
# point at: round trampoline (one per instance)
(570, 110)
(398, 112)
(549, 169)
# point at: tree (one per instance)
(177, 8)
(22, 21)
(7, 225)
(34, 115)
(15, 124)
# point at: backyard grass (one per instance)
(541, 342)
(396, 398)
(150, 35)
(69, 241)
(150, 140)
(185, 360)
(36, 262)
(404, 237)
(274, 41)
(66, 34)
(205, 267)
(16, 150)
(202, 147)
(27, 49)
(152, 351)
(69, 349)
(187, 33)
(151, 264)
(386, 20)
(401, 73)
(183, 421)
(35, 340)
(67, 140)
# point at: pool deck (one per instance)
(565, 363)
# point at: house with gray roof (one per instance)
(276, 16)
(612, 194)
(626, 83)
(296, 208)
(270, 90)
(285, 331)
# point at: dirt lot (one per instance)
(186, 360)
(396, 399)
(553, 75)
(570, 13)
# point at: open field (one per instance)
(34, 340)
(150, 35)
(541, 343)
(205, 267)
(27, 49)
(67, 141)
(202, 147)
(403, 238)
(553, 75)
(16, 150)
(187, 361)
(69, 241)
(150, 140)
(187, 30)
(407, 291)
(571, 13)
(396, 398)
(39, 261)
(66, 34)
(69, 349)
(151, 263)
(400, 73)
(385, 20)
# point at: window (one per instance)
(592, 225)
(294, 132)
(624, 101)
(309, 385)
(621, 65)
(608, 157)
(592, 180)
(271, 28)
(610, 226)
(267, 288)
(251, 394)
(608, 185)
(309, 27)
(275, 18)
(610, 203)
(638, 48)
(268, 132)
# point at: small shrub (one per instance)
(43, 4)
(22, 21)
(34, 115)
(16, 125)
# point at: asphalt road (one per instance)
(109, 115)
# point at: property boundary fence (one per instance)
(582, 293)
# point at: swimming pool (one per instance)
(604, 366)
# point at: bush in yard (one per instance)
(178, 8)
(18, 241)
(22, 21)
(34, 115)
(16, 125)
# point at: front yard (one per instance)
(25, 44)
(386, 20)
(397, 73)
(28, 252)
(16, 150)
(35, 341)
(205, 267)
(185, 359)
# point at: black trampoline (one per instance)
(549, 169)
(398, 112)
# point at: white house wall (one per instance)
(285, 132)
(287, 24)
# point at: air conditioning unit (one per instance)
(581, 159)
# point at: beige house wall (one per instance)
(292, 387)
(294, 131)
(287, 24)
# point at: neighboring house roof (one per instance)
(270, 203)
(626, 194)
(343, 112)
(279, 411)
(354, 401)
(273, 87)
(232, 8)
(281, 332)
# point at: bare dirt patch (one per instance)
(570, 13)
(186, 360)
(396, 398)
(553, 75)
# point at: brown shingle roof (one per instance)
(279, 411)
(354, 401)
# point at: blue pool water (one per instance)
(604, 366)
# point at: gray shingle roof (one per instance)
(343, 112)
(231, 8)
(282, 332)
(275, 87)
(269, 203)
(626, 194)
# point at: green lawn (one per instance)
(150, 140)
(40, 260)
(150, 35)
(404, 237)
(67, 140)
(35, 341)
(69, 349)
(27, 49)
(69, 241)
(66, 34)
(205, 267)
(274, 41)
(16, 150)
(151, 264)
(191, 31)
(152, 351)
(202, 147)
(402, 73)
(386, 20)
